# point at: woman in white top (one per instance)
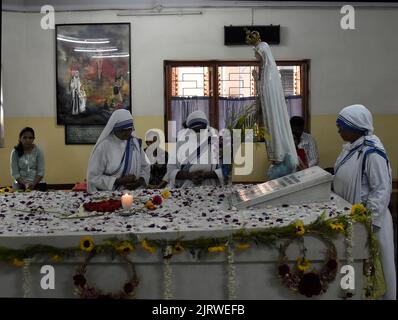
(27, 163)
(363, 175)
(118, 160)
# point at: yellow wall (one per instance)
(67, 163)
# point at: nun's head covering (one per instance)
(197, 119)
(120, 119)
(356, 118)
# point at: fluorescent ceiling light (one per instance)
(85, 41)
(154, 13)
(121, 55)
(95, 49)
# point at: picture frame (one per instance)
(82, 134)
(92, 72)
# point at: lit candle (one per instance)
(127, 201)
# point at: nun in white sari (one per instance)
(281, 149)
(363, 175)
(196, 160)
(118, 160)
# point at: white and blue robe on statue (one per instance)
(113, 158)
(363, 175)
(280, 148)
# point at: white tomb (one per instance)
(309, 185)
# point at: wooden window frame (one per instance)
(213, 79)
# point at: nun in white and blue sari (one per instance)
(196, 160)
(118, 160)
(363, 175)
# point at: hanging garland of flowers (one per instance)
(231, 272)
(301, 279)
(26, 278)
(348, 293)
(304, 279)
(167, 273)
(85, 290)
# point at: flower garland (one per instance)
(310, 283)
(167, 273)
(26, 278)
(349, 293)
(231, 272)
(324, 228)
(84, 290)
(374, 282)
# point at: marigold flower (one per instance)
(303, 264)
(87, 244)
(166, 194)
(216, 249)
(149, 205)
(17, 262)
(300, 230)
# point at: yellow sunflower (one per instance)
(6, 189)
(337, 227)
(178, 248)
(303, 264)
(243, 246)
(87, 243)
(216, 249)
(300, 230)
(358, 209)
(125, 247)
(17, 262)
(148, 247)
(166, 194)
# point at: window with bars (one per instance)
(224, 89)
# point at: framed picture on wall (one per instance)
(82, 134)
(92, 72)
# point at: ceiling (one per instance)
(158, 5)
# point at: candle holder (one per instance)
(127, 212)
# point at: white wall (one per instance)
(347, 66)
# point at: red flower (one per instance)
(283, 270)
(103, 206)
(310, 284)
(332, 264)
(157, 200)
(79, 280)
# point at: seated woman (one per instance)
(186, 171)
(27, 163)
(118, 161)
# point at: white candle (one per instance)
(127, 201)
